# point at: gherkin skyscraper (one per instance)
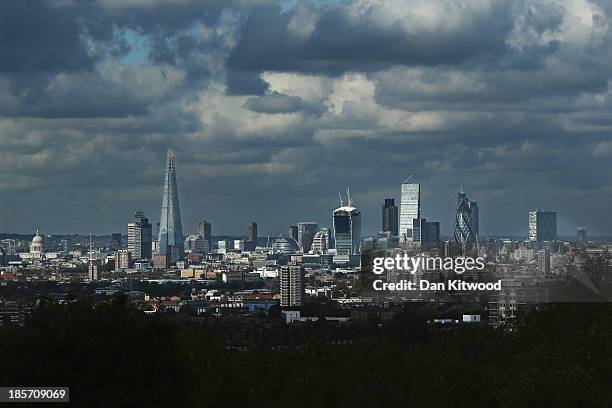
(466, 223)
(170, 228)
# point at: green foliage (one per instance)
(113, 355)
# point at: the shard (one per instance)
(170, 228)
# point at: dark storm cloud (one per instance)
(244, 83)
(332, 39)
(37, 36)
(273, 111)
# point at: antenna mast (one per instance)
(408, 179)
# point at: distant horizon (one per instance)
(272, 236)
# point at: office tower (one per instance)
(115, 242)
(196, 244)
(426, 233)
(328, 237)
(239, 245)
(306, 231)
(293, 232)
(410, 208)
(542, 225)
(390, 217)
(418, 230)
(222, 246)
(581, 235)
(433, 233)
(205, 231)
(465, 238)
(319, 243)
(347, 229)
(291, 286)
(139, 237)
(93, 270)
(251, 236)
(544, 262)
(122, 259)
(170, 243)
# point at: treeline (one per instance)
(113, 355)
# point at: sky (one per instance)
(274, 107)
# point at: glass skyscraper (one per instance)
(410, 208)
(389, 217)
(140, 237)
(581, 235)
(542, 225)
(466, 223)
(347, 231)
(305, 232)
(170, 228)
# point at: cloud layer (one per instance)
(273, 108)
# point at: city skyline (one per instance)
(284, 104)
(170, 194)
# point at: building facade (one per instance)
(170, 241)
(390, 217)
(319, 243)
(140, 237)
(293, 232)
(426, 233)
(542, 226)
(122, 260)
(347, 231)
(251, 236)
(205, 231)
(306, 232)
(410, 208)
(581, 235)
(292, 286)
(465, 225)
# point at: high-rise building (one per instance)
(542, 225)
(170, 243)
(140, 237)
(93, 270)
(293, 232)
(426, 233)
(196, 244)
(544, 262)
(581, 235)
(319, 243)
(306, 231)
(251, 236)
(205, 231)
(347, 230)
(432, 229)
(292, 286)
(464, 234)
(390, 217)
(410, 208)
(328, 237)
(122, 259)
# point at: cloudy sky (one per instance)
(273, 107)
